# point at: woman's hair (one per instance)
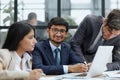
(15, 34)
(113, 19)
(58, 21)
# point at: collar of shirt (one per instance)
(18, 59)
(53, 47)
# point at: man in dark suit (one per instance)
(89, 31)
(111, 36)
(53, 55)
(85, 40)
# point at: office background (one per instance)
(72, 10)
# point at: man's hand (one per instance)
(77, 68)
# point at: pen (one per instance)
(85, 62)
(86, 65)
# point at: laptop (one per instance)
(102, 57)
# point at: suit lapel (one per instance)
(63, 54)
(48, 52)
(29, 64)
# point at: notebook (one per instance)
(102, 57)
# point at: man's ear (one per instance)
(104, 21)
(67, 34)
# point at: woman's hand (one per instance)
(1, 66)
(35, 74)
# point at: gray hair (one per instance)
(32, 15)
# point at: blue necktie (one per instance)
(57, 61)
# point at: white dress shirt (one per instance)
(18, 59)
(65, 67)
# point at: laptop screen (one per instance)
(102, 57)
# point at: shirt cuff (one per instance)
(105, 68)
(65, 68)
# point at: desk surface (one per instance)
(111, 75)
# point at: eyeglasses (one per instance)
(55, 30)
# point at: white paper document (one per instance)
(112, 74)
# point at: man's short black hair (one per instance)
(58, 21)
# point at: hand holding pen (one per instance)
(88, 65)
(35, 74)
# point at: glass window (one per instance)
(76, 10)
(115, 4)
(110, 5)
(78, 15)
(27, 6)
(6, 12)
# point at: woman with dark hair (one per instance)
(15, 58)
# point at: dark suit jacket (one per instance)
(43, 58)
(86, 34)
(115, 65)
